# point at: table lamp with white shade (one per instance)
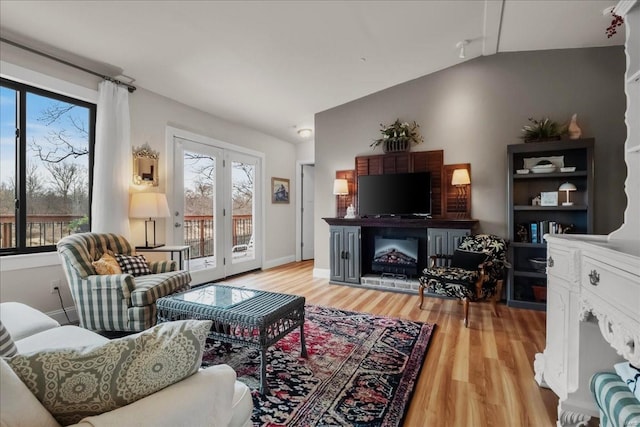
(567, 187)
(461, 179)
(149, 206)
(340, 189)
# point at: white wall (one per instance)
(150, 115)
(305, 151)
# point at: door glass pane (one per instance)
(199, 206)
(57, 170)
(242, 211)
(7, 167)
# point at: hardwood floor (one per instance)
(476, 376)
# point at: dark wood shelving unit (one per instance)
(524, 283)
(551, 208)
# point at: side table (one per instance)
(184, 253)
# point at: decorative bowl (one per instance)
(538, 264)
(543, 168)
(568, 169)
(522, 171)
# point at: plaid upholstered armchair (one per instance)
(475, 271)
(120, 301)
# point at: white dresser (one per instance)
(593, 282)
(593, 318)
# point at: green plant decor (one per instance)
(397, 132)
(79, 224)
(543, 129)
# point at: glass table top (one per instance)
(217, 296)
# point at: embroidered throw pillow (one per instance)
(75, 383)
(107, 264)
(468, 260)
(630, 375)
(136, 265)
(7, 346)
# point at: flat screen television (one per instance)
(402, 194)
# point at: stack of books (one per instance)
(537, 230)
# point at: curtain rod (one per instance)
(129, 87)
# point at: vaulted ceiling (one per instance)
(271, 65)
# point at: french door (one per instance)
(217, 201)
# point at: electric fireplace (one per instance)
(395, 256)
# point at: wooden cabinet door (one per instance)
(336, 254)
(454, 238)
(351, 238)
(344, 254)
(438, 242)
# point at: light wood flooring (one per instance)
(476, 376)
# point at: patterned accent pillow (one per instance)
(468, 260)
(75, 383)
(107, 264)
(7, 346)
(136, 265)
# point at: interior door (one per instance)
(308, 182)
(198, 202)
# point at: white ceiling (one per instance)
(271, 65)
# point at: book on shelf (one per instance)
(533, 227)
(538, 229)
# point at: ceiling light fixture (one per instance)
(305, 133)
(461, 45)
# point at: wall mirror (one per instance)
(145, 165)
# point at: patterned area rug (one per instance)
(361, 370)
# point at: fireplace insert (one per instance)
(395, 256)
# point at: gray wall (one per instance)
(473, 111)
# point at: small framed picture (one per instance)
(279, 190)
(549, 198)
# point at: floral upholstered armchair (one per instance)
(475, 271)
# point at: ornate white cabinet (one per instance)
(593, 282)
(592, 317)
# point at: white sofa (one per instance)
(211, 397)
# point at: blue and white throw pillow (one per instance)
(630, 375)
(136, 265)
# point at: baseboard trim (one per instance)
(58, 315)
(321, 273)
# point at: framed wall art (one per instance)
(280, 190)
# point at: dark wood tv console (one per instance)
(352, 245)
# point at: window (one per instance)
(46, 163)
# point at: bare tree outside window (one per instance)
(57, 142)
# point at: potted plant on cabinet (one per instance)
(398, 136)
(542, 130)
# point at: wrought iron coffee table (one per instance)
(244, 316)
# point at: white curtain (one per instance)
(112, 161)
